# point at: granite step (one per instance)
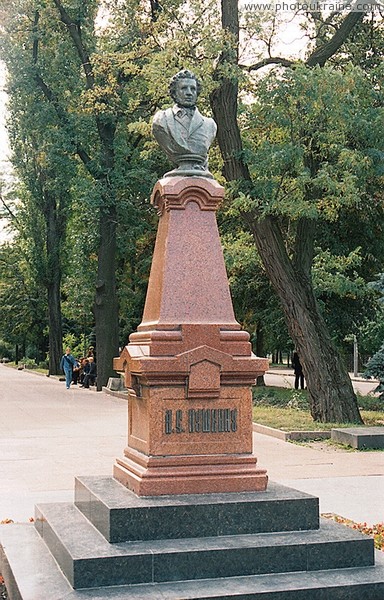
(122, 516)
(31, 573)
(88, 560)
(361, 438)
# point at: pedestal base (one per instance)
(165, 475)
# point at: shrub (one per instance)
(29, 363)
(280, 397)
(375, 368)
(370, 402)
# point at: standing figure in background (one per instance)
(298, 369)
(67, 363)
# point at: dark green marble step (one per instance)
(88, 560)
(31, 573)
(122, 516)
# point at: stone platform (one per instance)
(360, 438)
(267, 545)
(120, 516)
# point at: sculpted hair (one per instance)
(184, 74)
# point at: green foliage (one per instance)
(78, 344)
(347, 300)
(313, 142)
(364, 46)
(29, 363)
(338, 274)
(371, 333)
(370, 402)
(6, 350)
(256, 304)
(23, 306)
(58, 118)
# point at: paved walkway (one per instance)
(50, 434)
(284, 377)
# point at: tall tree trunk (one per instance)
(260, 349)
(54, 325)
(55, 232)
(106, 309)
(330, 390)
(106, 305)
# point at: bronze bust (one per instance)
(182, 132)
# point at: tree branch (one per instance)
(271, 60)
(155, 9)
(327, 50)
(9, 211)
(52, 99)
(75, 33)
(35, 39)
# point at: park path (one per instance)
(50, 434)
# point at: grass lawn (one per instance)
(288, 410)
(293, 419)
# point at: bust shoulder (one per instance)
(161, 115)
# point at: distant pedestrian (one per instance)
(298, 369)
(67, 363)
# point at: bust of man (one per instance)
(182, 132)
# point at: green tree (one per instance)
(289, 175)
(306, 182)
(23, 307)
(41, 159)
(89, 78)
(283, 188)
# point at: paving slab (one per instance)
(49, 435)
(360, 437)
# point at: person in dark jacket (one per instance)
(90, 373)
(67, 363)
(298, 369)
(76, 372)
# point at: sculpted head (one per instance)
(184, 88)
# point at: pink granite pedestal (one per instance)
(189, 367)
